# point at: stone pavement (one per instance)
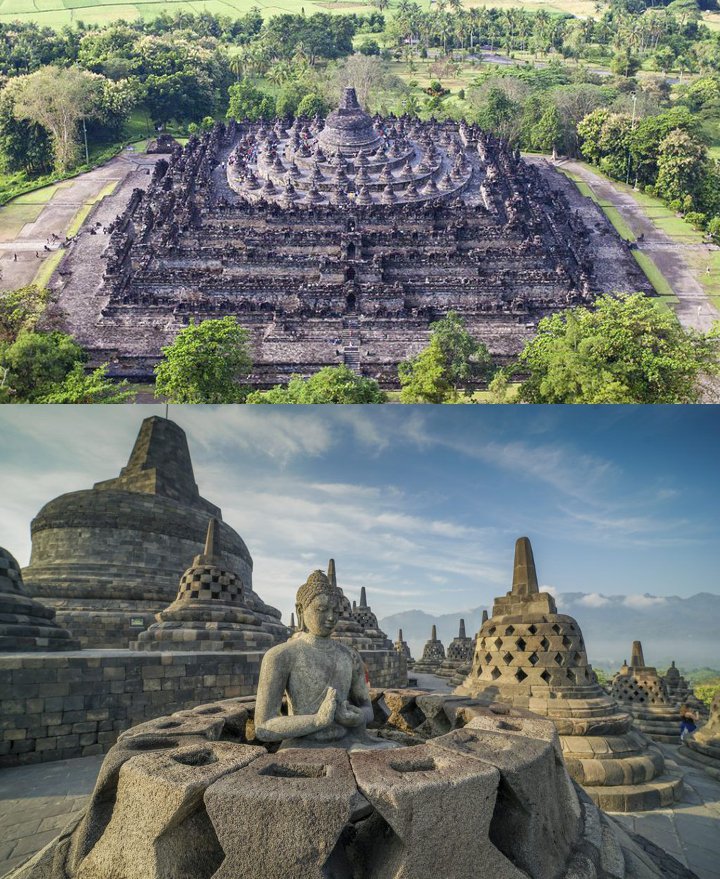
(37, 801)
(690, 831)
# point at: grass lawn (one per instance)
(44, 273)
(704, 263)
(24, 209)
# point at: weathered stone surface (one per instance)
(426, 795)
(530, 656)
(108, 559)
(283, 814)
(26, 624)
(481, 798)
(159, 828)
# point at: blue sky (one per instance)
(421, 505)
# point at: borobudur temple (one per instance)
(338, 241)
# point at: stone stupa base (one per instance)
(194, 795)
(660, 725)
(701, 755)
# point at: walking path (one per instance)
(694, 308)
(27, 225)
(37, 801)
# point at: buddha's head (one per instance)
(318, 605)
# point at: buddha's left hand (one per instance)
(349, 715)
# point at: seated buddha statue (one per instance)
(327, 695)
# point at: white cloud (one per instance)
(640, 602)
(594, 599)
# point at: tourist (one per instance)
(687, 722)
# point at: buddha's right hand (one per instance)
(326, 711)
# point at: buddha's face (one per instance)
(321, 615)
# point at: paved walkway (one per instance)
(694, 308)
(56, 217)
(37, 801)
(690, 831)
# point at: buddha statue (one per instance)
(327, 695)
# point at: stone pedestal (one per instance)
(25, 624)
(194, 795)
(641, 690)
(108, 559)
(433, 655)
(531, 657)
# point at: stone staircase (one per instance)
(351, 342)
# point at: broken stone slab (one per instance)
(159, 828)
(537, 815)
(284, 811)
(424, 796)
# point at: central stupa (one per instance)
(349, 128)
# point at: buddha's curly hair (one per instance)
(317, 584)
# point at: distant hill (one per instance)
(683, 629)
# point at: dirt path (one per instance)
(23, 253)
(694, 308)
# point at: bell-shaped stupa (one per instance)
(640, 690)
(25, 624)
(702, 748)
(459, 652)
(108, 559)
(349, 130)
(403, 648)
(209, 612)
(363, 615)
(681, 693)
(529, 655)
(433, 655)
(464, 669)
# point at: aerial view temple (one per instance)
(338, 242)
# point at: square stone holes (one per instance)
(534, 659)
(545, 644)
(558, 658)
(507, 658)
(520, 675)
(521, 644)
(495, 673)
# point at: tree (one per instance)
(58, 99)
(205, 363)
(332, 384)
(248, 102)
(681, 162)
(36, 364)
(80, 387)
(452, 360)
(20, 310)
(627, 349)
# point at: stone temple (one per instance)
(339, 242)
(108, 559)
(532, 657)
(433, 655)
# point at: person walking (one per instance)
(687, 722)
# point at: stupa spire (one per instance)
(485, 616)
(461, 630)
(400, 637)
(363, 597)
(212, 542)
(525, 580)
(637, 660)
(331, 574)
(433, 637)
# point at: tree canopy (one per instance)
(452, 361)
(332, 384)
(205, 364)
(627, 349)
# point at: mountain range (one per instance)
(684, 629)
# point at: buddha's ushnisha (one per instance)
(328, 698)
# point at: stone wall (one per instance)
(386, 668)
(73, 705)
